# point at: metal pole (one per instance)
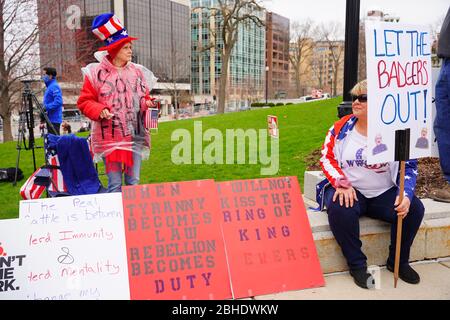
(351, 55)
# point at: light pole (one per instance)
(267, 82)
(351, 55)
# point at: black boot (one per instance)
(362, 278)
(406, 273)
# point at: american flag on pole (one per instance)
(151, 118)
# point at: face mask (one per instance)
(45, 78)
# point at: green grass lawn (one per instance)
(302, 129)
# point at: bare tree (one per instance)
(66, 40)
(435, 29)
(18, 56)
(229, 16)
(302, 46)
(317, 70)
(249, 89)
(21, 49)
(331, 34)
(175, 72)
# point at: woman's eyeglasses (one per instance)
(360, 98)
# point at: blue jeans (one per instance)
(344, 223)
(441, 123)
(131, 174)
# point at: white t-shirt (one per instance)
(370, 180)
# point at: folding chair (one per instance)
(70, 173)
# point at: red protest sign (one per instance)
(174, 243)
(268, 238)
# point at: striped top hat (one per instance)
(108, 28)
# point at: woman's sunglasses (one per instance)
(360, 98)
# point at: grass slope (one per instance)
(302, 129)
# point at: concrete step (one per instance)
(432, 240)
(434, 285)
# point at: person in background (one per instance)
(116, 97)
(441, 123)
(42, 125)
(53, 100)
(353, 189)
(67, 129)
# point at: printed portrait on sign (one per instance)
(379, 145)
(422, 142)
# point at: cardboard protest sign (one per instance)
(272, 126)
(74, 248)
(174, 242)
(399, 89)
(13, 260)
(268, 238)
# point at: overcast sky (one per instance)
(421, 12)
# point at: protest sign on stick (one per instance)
(400, 121)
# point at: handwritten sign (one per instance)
(13, 259)
(74, 249)
(268, 238)
(399, 89)
(174, 241)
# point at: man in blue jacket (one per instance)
(53, 101)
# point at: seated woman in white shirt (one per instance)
(355, 189)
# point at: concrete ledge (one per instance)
(434, 285)
(432, 240)
(309, 186)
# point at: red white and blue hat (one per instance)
(108, 28)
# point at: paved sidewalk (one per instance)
(434, 284)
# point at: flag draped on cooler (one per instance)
(151, 119)
(31, 189)
(57, 184)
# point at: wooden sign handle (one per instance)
(399, 224)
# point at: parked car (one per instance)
(72, 115)
(310, 98)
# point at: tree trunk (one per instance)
(222, 91)
(297, 82)
(177, 112)
(223, 81)
(335, 80)
(7, 127)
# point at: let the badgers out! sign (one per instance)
(399, 89)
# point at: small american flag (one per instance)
(151, 119)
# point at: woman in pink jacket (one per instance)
(116, 97)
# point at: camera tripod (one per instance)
(26, 122)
